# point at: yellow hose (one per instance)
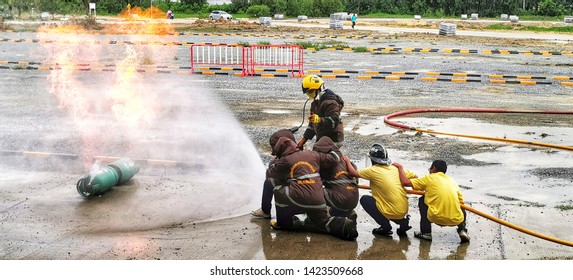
(499, 221)
(517, 141)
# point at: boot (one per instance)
(342, 228)
(309, 225)
(297, 224)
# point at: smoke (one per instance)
(150, 118)
(222, 177)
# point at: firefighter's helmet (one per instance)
(311, 82)
(379, 154)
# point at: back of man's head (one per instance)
(440, 165)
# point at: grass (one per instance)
(535, 204)
(500, 26)
(360, 49)
(201, 15)
(383, 15)
(564, 207)
(320, 46)
(307, 45)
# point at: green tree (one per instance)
(328, 7)
(259, 11)
(550, 8)
(293, 8)
(239, 5)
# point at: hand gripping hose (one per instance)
(499, 221)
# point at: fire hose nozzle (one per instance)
(103, 179)
(294, 129)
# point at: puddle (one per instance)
(277, 112)
(507, 175)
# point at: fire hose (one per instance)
(477, 110)
(499, 221)
(474, 110)
(296, 128)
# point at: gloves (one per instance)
(314, 119)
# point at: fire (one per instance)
(139, 21)
(126, 98)
(130, 104)
(136, 13)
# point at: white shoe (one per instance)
(260, 214)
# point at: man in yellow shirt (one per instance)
(441, 203)
(389, 201)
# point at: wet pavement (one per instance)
(219, 126)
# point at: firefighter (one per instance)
(266, 200)
(324, 119)
(340, 188)
(297, 185)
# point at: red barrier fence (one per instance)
(247, 59)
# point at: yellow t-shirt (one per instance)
(443, 197)
(390, 196)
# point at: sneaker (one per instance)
(421, 235)
(402, 231)
(382, 231)
(404, 227)
(260, 214)
(464, 236)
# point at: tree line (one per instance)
(310, 8)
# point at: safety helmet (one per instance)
(311, 82)
(379, 154)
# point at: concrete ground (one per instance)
(169, 213)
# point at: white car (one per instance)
(220, 14)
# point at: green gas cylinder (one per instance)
(103, 179)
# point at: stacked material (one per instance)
(336, 20)
(447, 29)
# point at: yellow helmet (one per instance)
(311, 82)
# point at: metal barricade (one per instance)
(247, 58)
(291, 56)
(219, 54)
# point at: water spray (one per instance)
(101, 180)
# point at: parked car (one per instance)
(220, 14)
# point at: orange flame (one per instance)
(136, 12)
(128, 99)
